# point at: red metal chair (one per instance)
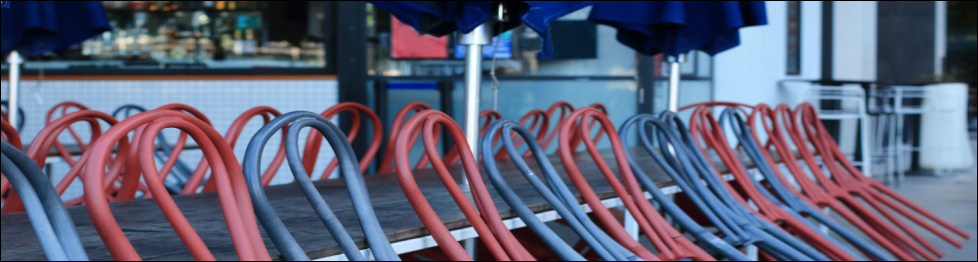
(850, 181)
(671, 244)
(315, 140)
(708, 134)
(499, 240)
(231, 188)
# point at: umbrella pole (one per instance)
(13, 94)
(473, 43)
(674, 77)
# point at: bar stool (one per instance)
(895, 103)
(852, 100)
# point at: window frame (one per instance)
(329, 45)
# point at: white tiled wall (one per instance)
(221, 101)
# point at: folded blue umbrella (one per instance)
(37, 27)
(678, 27)
(441, 18)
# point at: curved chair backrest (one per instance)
(232, 189)
(277, 231)
(669, 242)
(556, 193)
(64, 107)
(452, 158)
(189, 179)
(234, 132)
(47, 139)
(54, 228)
(852, 181)
(540, 125)
(707, 129)
(387, 162)
(496, 236)
(679, 163)
(314, 141)
(565, 110)
(181, 172)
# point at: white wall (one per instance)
(750, 73)
(854, 40)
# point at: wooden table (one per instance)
(154, 239)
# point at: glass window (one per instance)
(203, 35)
(581, 48)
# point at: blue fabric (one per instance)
(678, 27)
(441, 18)
(37, 27)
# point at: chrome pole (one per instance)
(674, 77)
(473, 43)
(13, 94)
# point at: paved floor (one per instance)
(953, 198)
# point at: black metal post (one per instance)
(381, 108)
(350, 53)
(445, 98)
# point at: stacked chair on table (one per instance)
(556, 194)
(670, 244)
(777, 123)
(779, 188)
(349, 167)
(496, 236)
(232, 191)
(715, 218)
(744, 189)
(689, 169)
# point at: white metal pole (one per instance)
(13, 94)
(674, 76)
(473, 42)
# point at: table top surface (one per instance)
(154, 239)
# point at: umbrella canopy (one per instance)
(440, 18)
(678, 27)
(36, 27)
